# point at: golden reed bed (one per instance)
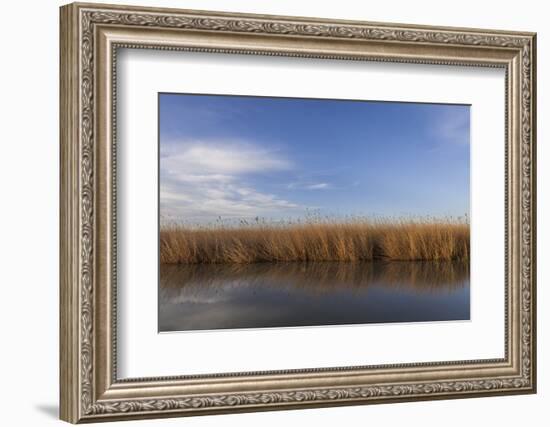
(403, 240)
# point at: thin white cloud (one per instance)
(199, 178)
(202, 181)
(207, 159)
(309, 186)
(320, 186)
(453, 127)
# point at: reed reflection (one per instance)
(220, 296)
(317, 276)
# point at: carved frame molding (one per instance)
(90, 36)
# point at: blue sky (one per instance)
(241, 157)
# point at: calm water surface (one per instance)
(198, 297)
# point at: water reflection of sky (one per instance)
(199, 297)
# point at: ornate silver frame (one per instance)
(90, 36)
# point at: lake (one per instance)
(229, 296)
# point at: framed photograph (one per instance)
(266, 212)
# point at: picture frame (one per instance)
(91, 36)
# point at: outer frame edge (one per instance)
(68, 223)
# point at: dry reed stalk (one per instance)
(405, 240)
